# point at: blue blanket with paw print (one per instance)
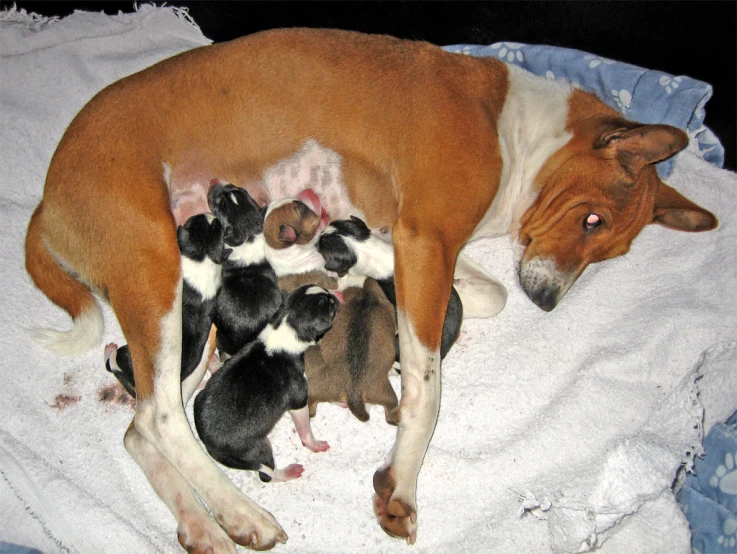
(642, 95)
(709, 496)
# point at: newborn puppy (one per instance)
(243, 401)
(351, 363)
(349, 247)
(203, 253)
(291, 229)
(249, 296)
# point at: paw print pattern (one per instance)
(509, 51)
(597, 61)
(725, 476)
(623, 99)
(728, 540)
(670, 83)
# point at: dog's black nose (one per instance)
(545, 299)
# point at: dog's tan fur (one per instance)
(418, 131)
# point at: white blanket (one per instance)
(558, 432)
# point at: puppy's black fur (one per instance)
(203, 252)
(243, 401)
(249, 295)
(345, 245)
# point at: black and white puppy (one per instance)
(243, 401)
(249, 296)
(203, 253)
(349, 247)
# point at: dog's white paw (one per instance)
(251, 526)
(198, 534)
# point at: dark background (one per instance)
(694, 38)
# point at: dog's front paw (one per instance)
(397, 516)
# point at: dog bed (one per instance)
(558, 432)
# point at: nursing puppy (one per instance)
(349, 247)
(292, 227)
(487, 149)
(249, 296)
(351, 363)
(203, 252)
(243, 401)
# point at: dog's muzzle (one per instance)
(544, 283)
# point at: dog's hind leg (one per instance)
(149, 309)
(481, 294)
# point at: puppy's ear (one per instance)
(181, 235)
(228, 235)
(287, 233)
(334, 265)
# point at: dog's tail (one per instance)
(66, 292)
(357, 406)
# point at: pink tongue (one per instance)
(338, 295)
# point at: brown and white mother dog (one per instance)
(438, 147)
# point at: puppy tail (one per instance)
(357, 407)
(64, 291)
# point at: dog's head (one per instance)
(201, 236)
(310, 311)
(596, 194)
(339, 256)
(294, 221)
(241, 217)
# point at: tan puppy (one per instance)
(438, 147)
(352, 362)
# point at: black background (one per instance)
(694, 38)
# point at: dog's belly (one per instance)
(311, 167)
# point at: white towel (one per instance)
(558, 432)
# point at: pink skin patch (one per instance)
(338, 295)
(301, 420)
(312, 201)
(110, 349)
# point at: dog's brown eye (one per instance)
(591, 222)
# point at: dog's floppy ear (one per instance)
(675, 211)
(287, 233)
(636, 147)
